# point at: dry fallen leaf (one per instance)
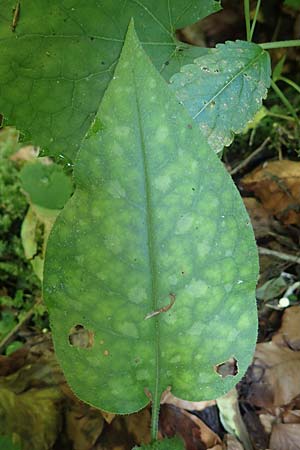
(232, 443)
(291, 416)
(126, 431)
(274, 375)
(12, 363)
(84, 425)
(285, 437)
(170, 399)
(277, 185)
(231, 417)
(289, 332)
(267, 421)
(195, 434)
(28, 153)
(108, 417)
(260, 218)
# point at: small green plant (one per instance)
(151, 267)
(18, 285)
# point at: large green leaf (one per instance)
(56, 64)
(224, 89)
(155, 220)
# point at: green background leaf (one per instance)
(55, 66)
(154, 214)
(46, 184)
(224, 90)
(292, 3)
(6, 443)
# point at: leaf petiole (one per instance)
(290, 83)
(286, 102)
(280, 44)
(247, 19)
(255, 19)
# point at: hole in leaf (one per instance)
(80, 337)
(227, 368)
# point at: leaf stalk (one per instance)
(247, 19)
(286, 102)
(255, 19)
(280, 44)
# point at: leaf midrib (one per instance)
(243, 69)
(151, 249)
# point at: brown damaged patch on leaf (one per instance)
(81, 337)
(227, 368)
(195, 434)
(277, 185)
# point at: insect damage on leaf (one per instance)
(227, 368)
(163, 309)
(80, 337)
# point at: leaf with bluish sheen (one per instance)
(224, 90)
(58, 61)
(157, 229)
